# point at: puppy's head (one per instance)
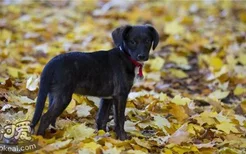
(136, 40)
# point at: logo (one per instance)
(16, 137)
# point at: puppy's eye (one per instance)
(132, 42)
(148, 41)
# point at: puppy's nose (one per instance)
(141, 57)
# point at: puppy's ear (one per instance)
(155, 36)
(119, 34)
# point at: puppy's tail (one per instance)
(42, 95)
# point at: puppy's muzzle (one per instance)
(142, 57)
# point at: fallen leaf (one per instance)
(71, 106)
(142, 143)
(227, 127)
(91, 146)
(216, 63)
(156, 63)
(239, 90)
(242, 58)
(83, 110)
(180, 135)
(161, 123)
(79, 132)
(178, 112)
(173, 28)
(57, 145)
(32, 83)
(218, 94)
(180, 100)
(130, 126)
(178, 73)
(113, 150)
(240, 119)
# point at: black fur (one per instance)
(102, 74)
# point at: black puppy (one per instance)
(105, 74)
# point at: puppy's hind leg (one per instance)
(51, 99)
(60, 102)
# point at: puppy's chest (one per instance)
(137, 78)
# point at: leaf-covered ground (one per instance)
(193, 97)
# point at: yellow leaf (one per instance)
(173, 28)
(92, 146)
(228, 150)
(243, 106)
(180, 135)
(163, 97)
(227, 127)
(221, 118)
(43, 141)
(216, 63)
(21, 99)
(14, 72)
(206, 117)
(78, 98)
(155, 76)
(242, 58)
(218, 94)
(5, 35)
(86, 151)
(55, 49)
(222, 71)
(113, 150)
(205, 145)
(101, 132)
(57, 145)
(3, 80)
(178, 73)
(142, 142)
(161, 122)
(242, 16)
(71, 107)
(179, 60)
(239, 90)
(194, 129)
(240, 119)
(167, 151)
(79, 132)
(156, 64)
(180, 100)
(25, 100)
(178, 112)
(64, 123)
(231, 60)
(61, 151)
(185, 149)
(135, 152)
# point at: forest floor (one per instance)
(192, 98)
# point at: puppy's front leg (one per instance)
(103, 113)
(119, 116)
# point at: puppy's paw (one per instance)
(123, 136)
(32, 130)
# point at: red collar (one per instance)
(135, 63)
